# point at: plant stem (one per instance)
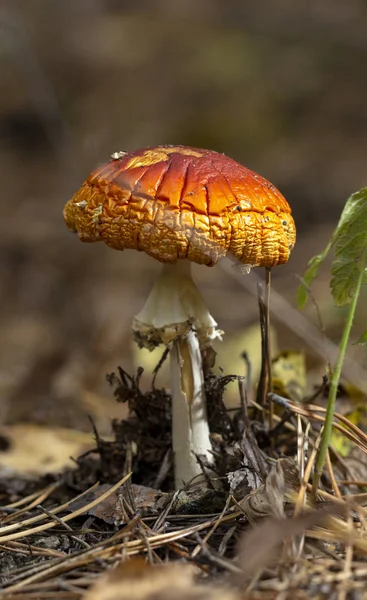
(335, 378)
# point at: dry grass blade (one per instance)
(316, 408)
(162, 517)
(356, 435)
(334, 484)
(63, 595)
(28, 549)
(213, 528)
(45, 571)
(113, 551)
(38, 518)
(73, 515)
(301, 498)
(39, 494)
(34, 500)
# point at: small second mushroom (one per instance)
(183, 205)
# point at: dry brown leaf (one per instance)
(260, 546)
(268, 499)
(146, 501)
(136, 580)
(36, 450)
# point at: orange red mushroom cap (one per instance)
(176, 202)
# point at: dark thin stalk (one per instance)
(268, 345)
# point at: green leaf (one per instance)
(349, 241)
(311, 273)
(362, 340)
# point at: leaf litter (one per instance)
(249, 532)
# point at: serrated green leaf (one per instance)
(349, 241)
(311, 273)
(316, 262)
(362, 340)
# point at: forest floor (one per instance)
(112, 528)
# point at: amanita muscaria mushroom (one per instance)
(182, 205)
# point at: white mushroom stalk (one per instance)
(175, 314)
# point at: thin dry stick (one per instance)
(263, 379)
(162, 517)
(148, 532)
(142, 529)
(300, 502)
(206, 538)
(268, 346)
(64, 525)
(158, 367)
(216, 560)
(149, 550)
(181, 551)
(278, 419)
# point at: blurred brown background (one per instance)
(278, 85)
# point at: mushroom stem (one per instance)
(176, 315)
(190, 429)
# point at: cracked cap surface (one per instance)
(176, 202)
